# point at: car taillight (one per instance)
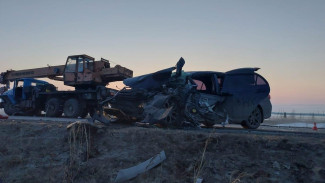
(269, 97)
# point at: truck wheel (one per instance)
(72, 108)
(9, 109)
(52, 108)
(254, 120)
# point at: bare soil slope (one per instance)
(48, 152)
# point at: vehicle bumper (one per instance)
(267, 108)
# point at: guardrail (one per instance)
(285, 114)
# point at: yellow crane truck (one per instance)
(29, 96)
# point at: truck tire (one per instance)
(53, 108)
(9, 109)
(72, 108)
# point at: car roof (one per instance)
(199, 73)
(235, 71)
(243, 70)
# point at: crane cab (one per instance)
(81, 70)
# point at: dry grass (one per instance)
(238, 178)
(198, 170)
(79, 142)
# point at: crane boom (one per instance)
(51, 72)
(78, 70)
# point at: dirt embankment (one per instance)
(48, 152)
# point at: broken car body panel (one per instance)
(150, 81)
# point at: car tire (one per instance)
(254, 120)
(72, 108)
(53, 107)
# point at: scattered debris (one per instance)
(129, 173)
(139, 124)
(199, 180)
(287, 166)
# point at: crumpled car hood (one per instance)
(150, 81)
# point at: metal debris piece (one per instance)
(101, 116)
(129, 173)
(139, 124)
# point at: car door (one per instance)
(243, 94)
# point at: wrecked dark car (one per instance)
(181, 99)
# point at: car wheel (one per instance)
(72, 108)
(254, 120)
(53, 108)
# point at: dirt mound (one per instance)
(49, 152)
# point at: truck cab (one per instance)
(21, 95)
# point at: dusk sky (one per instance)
(285, 38)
